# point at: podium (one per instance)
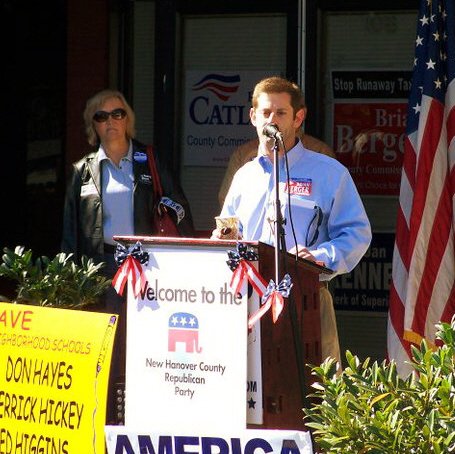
(280, 382)
(282, 399)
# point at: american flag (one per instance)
(422, 291)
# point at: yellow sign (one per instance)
(54, 372)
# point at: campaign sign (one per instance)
(187, 343)
(369, 140)
(254, 409)
(217, 114)
(126, 440)
(54, 371)
(367, 286)
(369, 122)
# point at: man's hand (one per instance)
(216, 234)
(303, 252)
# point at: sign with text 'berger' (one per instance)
(369, 120)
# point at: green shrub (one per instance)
(59, 282)
(370, 409)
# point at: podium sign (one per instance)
(186, 363)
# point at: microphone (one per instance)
(271, 130)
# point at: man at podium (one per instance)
(324, 217)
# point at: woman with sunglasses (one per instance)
(111, 193)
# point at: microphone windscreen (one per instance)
(271, 130)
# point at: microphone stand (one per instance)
(280, 244)
(278, 231)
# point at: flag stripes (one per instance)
(422, 291)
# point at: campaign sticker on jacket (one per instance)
(88, 189)
(138, 156)
(299, 186)
(179, 210)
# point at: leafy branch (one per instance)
(59, 282)
(370, 409)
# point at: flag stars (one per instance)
(416, 108)
(430, 64)
(436, 36)
(424, 20)
(419, 41)
(438, 84)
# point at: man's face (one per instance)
(276, 108)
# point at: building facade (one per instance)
(188, 68)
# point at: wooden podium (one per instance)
(282, 397)
(281, 384)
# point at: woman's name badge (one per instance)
(138, 156)
(145, 179)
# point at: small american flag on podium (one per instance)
(422, 291)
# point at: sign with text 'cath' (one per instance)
(54, 370)
(186, 343)
(217, 114)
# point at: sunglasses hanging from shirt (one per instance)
(102, 116)
(313, 228)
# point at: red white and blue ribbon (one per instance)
(239, 263)
(130, 261)
(272, 298)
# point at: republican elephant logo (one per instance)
(184, 328)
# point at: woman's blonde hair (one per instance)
(94, 104)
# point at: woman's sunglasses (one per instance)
(101, 115)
